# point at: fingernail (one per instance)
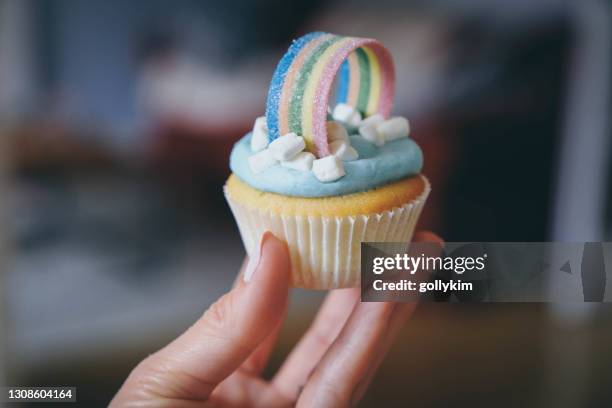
(254, 260)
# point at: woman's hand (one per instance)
(218, 360)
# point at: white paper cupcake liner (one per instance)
(326, 251)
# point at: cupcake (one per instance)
(326, 180)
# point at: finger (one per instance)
(398, 319)
(191, 366)
(240, 276)
(257, 361)
(428, 236)
(352, 359)
(400, 315)
(346, 361)
(294, 372)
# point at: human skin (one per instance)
(218, 361)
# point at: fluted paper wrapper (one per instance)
(326, 251)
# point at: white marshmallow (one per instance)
(335, 131)
(329, 168)
(394, 128)
(343, 150)
(302, 161)
(372, 135)
(259, 138)
(287, 146)
(374, 119)
(343, 112)
(347, 114)
(261, 161)
(355, 120)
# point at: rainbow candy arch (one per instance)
(303, 79)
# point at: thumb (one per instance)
(229, 331)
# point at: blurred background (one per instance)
(116, 122)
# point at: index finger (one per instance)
(191, 366)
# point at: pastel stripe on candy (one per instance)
(355, 79)
(289, 81)
(301, 85)
(273, 101)
(305, 76)
(387, 80)
(348, 82)
(343, 81)
(317, 123)
(364, 72)
(364, 94)
(322, 71)
(374, 84)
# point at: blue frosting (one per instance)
(375, 167)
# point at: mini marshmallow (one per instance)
(259, 138)
(394, 128)
(374, 119)
(329, 168)
(372, 135)
(335, 131)
(261, 161)
(343, 112)
(347, 114)
(343, 150)
(287, 146)
(302, 161)
(355, 120)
